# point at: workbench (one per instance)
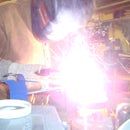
(41, 118)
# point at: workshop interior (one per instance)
(64, 65)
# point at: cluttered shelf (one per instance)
(111, 11)
(100, 5)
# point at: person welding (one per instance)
(52, 21)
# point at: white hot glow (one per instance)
(64, 25)
(82, 78)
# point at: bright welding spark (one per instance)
(82, 78)
(65, 24)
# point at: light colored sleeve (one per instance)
(4, 41)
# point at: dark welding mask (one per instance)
(51, 18)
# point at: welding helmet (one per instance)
(46, 14)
